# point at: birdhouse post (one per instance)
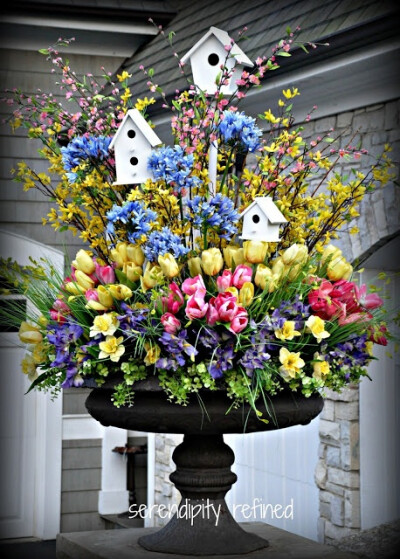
(132, 144)
(261, 221)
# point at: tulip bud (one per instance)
(120, 292)
(194, 265)
(246, 294)
(105, 297)
(291, 272)
(339, 268)
(132, 271)
(96, 306)
(83, 280)
(74, 288)
(135, 254)
(233, 256)
(295, 254)
(119, 254)
(233, 290)
(278, 267)
(168, 265)
(152, 276)
(29, 333)
(83, 262)
(212, 261)
(330, 252)
(255, 251)
(263, 276)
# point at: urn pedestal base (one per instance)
(203, 524)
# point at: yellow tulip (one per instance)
(152, 276)
(95, 306)
(255, 251)
(84, 280)
(278, 267)
(84, 262)
(194, 265)
(119, 254)
(263, 276)
(105, 297)
(120, 292)
(132, 271)
(291, 272)
(152, 355)
(74, 288)
(234, 256)
(331, 252)
(29, 333)
(339, 268)
(168, 265)
(246, 294)
(135, 254)
(295, 254)
(212, 261)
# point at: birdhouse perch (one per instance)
(261, 221)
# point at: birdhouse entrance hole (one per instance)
(213, 59)
(134, 160)
(256, 218)
(131, 133)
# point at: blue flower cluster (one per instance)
(132, 321)
(61, 336)
(84, 148)
(218, 213)
(161, 242)
(222, 360)
(178, 348)
(254, 358)
(134, 217)
(241, 128)
(172, 165)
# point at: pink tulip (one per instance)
(212, 313)
(240, 321)
(225, 304)
(355, 317)
(224, 281)
(91, 295)
(322, 303)
(368, 301)
(196, 307)
(377, 334)
(191, 285)
(104, 274)
(59, 305)
(170, 322)
(57, 316)
(241, 275)
(175, 299)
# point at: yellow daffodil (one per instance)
(316, 326)
(105, 324)
(153, 353)
(29, 368)
(112, 348)
(291, 362)
(287, 332)
(320, 367)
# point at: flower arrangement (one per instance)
(167, 286)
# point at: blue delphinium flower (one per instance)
(61, 336)
(217, 213)
(238, 127)
(83, 148)
(161, 242)
(178, 348)
(134, 217)
(174, 166)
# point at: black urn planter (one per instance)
(203, 524)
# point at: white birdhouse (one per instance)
(261, 221)
(206, 57)
(133, 143)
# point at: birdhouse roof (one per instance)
(142, 124)
(269, 209)
(224, 39)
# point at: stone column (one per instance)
(338, 470)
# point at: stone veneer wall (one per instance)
(165, 492)
(338, 470)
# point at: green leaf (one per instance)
(44, 51)
(288, 30)
(304, 48)
(41, 378)
(150, 72)
(284, 53)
